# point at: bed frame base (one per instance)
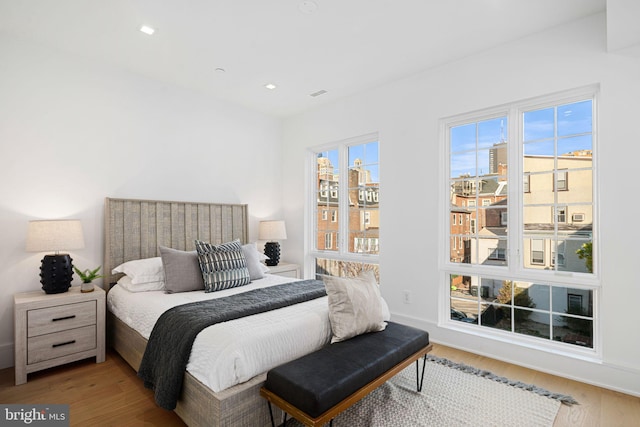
(238, 406)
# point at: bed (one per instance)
(134, 229)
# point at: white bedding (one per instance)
(233, 352)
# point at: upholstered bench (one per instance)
(315, 388)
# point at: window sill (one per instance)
(553, 347)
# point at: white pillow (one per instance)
(355, 306)
(126, 282)
(253, 257)
(142, 270)
(386, 314)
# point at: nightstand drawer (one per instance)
(285, 269)
(50, 346)
(54, 319)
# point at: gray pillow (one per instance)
(181, 270)
(355, 306)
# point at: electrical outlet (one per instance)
(406, 297)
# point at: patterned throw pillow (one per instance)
(223, 266)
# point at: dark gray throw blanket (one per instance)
(165, 359)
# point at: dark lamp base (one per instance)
(56, 273)
(272, 250)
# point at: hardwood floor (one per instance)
(110, 394)
(104, 394)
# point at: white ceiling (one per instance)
(344, 47)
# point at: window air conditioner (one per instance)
(578, 217)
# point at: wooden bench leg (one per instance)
(419, 377)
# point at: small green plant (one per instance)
(88, 276)
(586, 253)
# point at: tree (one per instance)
(520, 299)
(586, 253)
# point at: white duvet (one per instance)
(233, 352)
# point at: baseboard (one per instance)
(6, 355)
(600, 374)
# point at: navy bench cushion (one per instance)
(318, 381)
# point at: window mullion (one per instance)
(343, 197)
(515, 174)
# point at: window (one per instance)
(504, 218)
(328, 241)
(557, 257)
(561, 180)
(561, 214)
(497, 253)
(574, 303)
(528, 270)
(350, 170)
(537, 251)
(334, 192)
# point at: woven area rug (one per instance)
(453, 395)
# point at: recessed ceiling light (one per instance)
(270, 86)
(147, 30)
(308, 7)
(220, 70)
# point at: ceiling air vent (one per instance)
(318, 93)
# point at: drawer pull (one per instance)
(63, 343)
(63, 318)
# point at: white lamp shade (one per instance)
(54, 235)
(272, 231)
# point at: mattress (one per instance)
(233, 352)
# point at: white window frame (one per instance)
(515, 269)
(342, 252)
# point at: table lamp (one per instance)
(56, 271)
(271, 231)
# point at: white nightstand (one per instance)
(54, 329)
(285, 269)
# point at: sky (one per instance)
(565, 128)
(368, 153)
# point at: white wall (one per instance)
(73, 132)
(406, 115)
